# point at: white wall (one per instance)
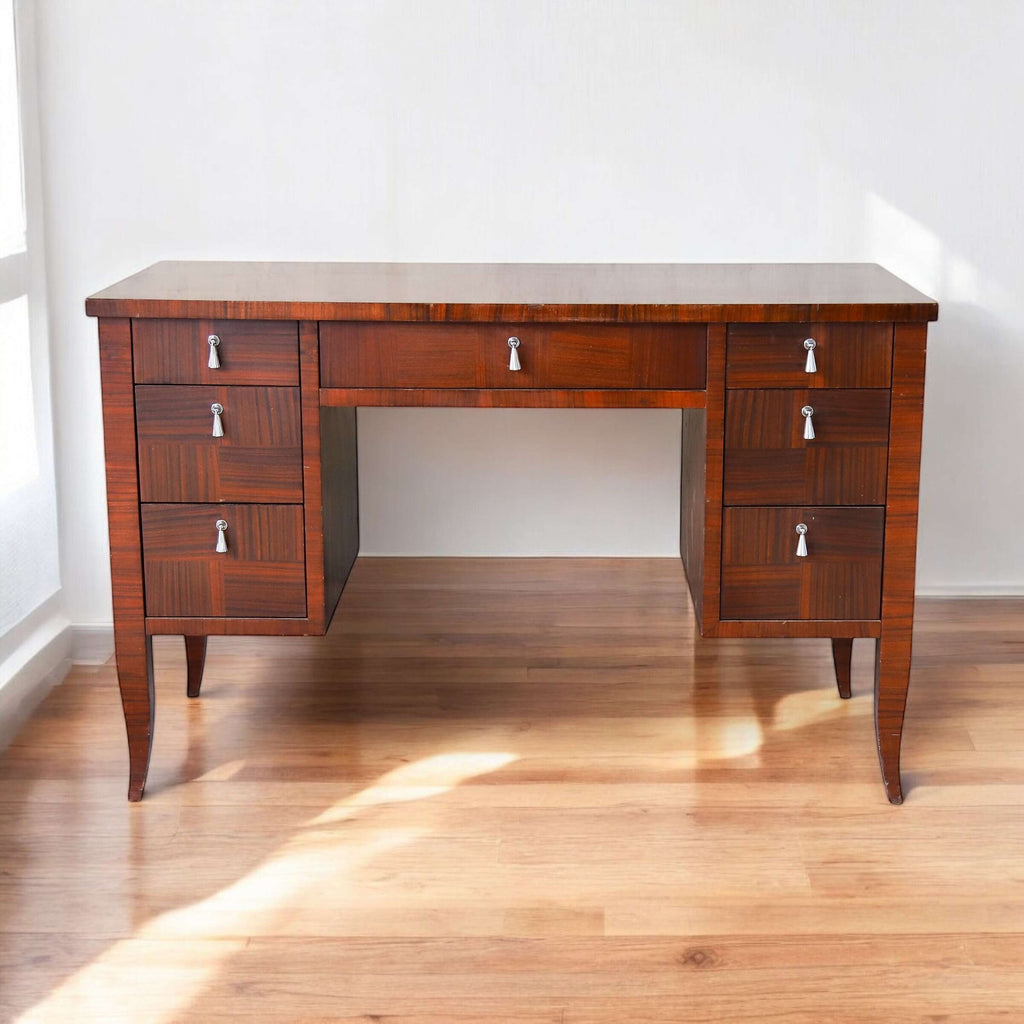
(543, 130)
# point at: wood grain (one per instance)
(512, 398)
(480, 798)
(131, 642)
(892, 663)
(571, 356)
(773, 356)
(258, 459)
(170, 351)
(767, 461)
(517, 292)
(840, 578)
(262, 574)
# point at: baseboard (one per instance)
(973, 590)
(41, 660)
(92, 644)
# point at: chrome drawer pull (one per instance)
(810, 366)
(801, 544)
(218, 427)
(214, 361)
(513, 359)
(222, 540)
(807, 412)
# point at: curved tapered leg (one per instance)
(892, 678)
(195, 656)
(842, 654)
(135, 678)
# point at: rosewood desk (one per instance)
(229, 398)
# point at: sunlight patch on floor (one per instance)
(146, 981)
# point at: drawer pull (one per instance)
(214, 361)
(801, 544)
(218, 426)
(807, 412)
(513, 359)
(810, 366)
(222, 540)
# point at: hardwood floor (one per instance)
(518, 790)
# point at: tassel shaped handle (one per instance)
(801, 544)
(810, 366)
(218, 427)
(222, 540)
(807, 412)
(513, 359)
(214, 361)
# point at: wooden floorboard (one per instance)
(524, 791)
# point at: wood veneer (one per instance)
(169, 351)
(262, 573)
(259, 458)
(773, 355)
(764, 578)
(571, 356)
(768, 461)
(132, 646)
(517, 292)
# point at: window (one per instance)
(18, 457)
(29, 569)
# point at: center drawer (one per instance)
(455, 355)
(256, 454)
(260, 571)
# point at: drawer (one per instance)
(249, 351)
(769, 462)
(258, 458)
(262, 573)
(773, 356)
(418, 355)
(840, 577)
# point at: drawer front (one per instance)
(249, 352)
(774, 356)
(258, 458)
(417, 355)
(839, 578)
(261, 575)
(768, 461)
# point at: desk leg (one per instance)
(892, 678)
(892, 655)
(135, 678)
(842, 655)
(133, 648)
(195, 656)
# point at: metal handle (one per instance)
(513, 359)
(807, 412)
(218, 427)
(222, 540)
(810, 366)
(214, 361)
(801, 544)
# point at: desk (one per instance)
(229, 397)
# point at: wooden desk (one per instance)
(229, 396)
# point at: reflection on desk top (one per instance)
(617, 292)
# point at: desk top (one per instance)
(622, 292)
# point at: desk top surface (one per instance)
(617, 292)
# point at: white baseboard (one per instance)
(92, 644)
(39, 661)
(973, 590)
